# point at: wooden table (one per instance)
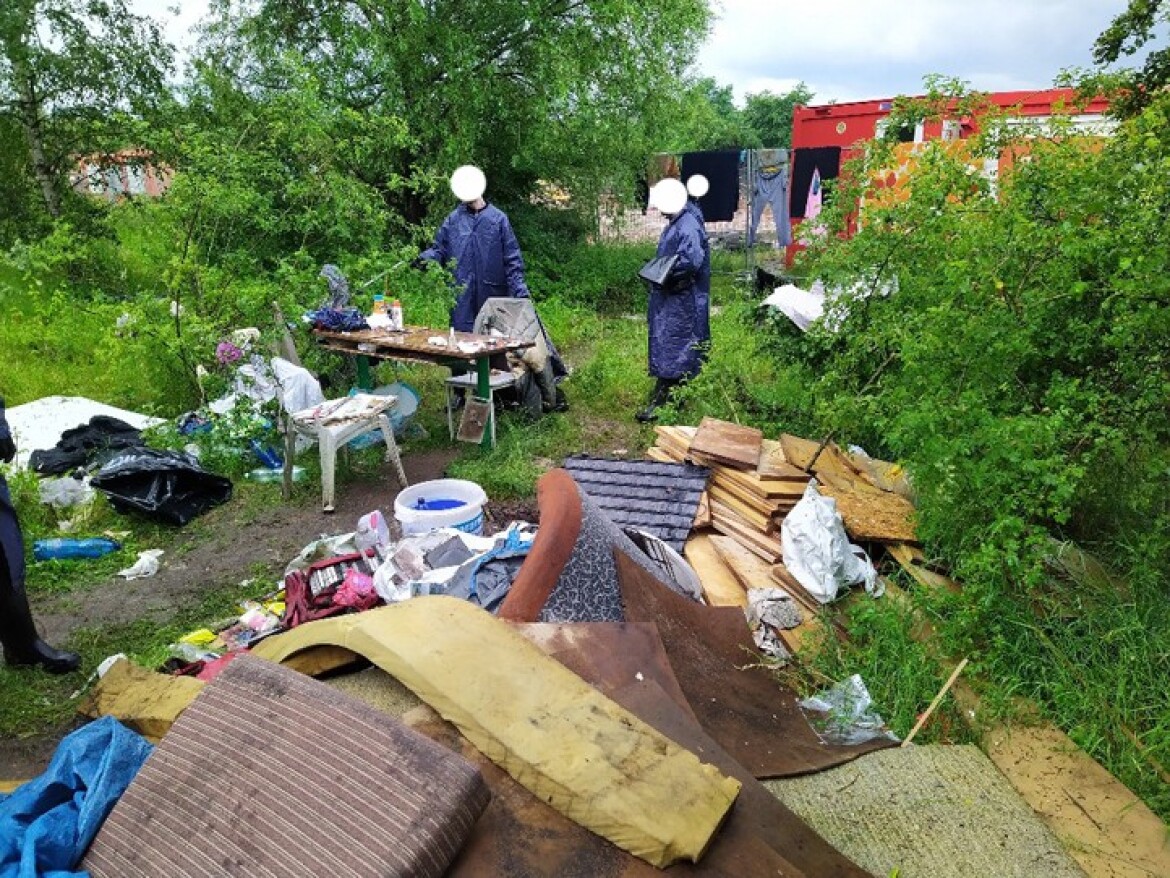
(413, 345)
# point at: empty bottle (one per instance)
(74, 547)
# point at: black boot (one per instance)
(18, 634)
(658, 397)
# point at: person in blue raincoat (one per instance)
(478, 238)
(18, 634)
(673, 313)
(697, 187)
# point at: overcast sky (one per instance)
(861, 49)
(847, 50)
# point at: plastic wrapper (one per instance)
(166, 486)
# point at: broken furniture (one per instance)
(469, 383)
(334, 422)
(422, 345)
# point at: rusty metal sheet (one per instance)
(736, 700)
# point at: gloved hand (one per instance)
(7, 448)
(678, 279)
(419, 263)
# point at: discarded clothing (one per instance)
(81, 444)
(47, 824)
(338, 319)
(826, 160)
(166, 486)
(721, 168)
(770, 189)
(310, 593)
(338, 286)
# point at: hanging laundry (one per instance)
(770, 188)
(826, 160)
(721, 168)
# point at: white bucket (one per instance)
(463, 501)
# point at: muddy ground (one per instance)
(228, 546)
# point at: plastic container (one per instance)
(60, 548)
(396, 316)
(379, 304)
(429, 506)
(266, 474)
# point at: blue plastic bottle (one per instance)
(74, 547)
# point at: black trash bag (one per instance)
(166, 486)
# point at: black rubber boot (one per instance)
(18, 633)
(658, 397)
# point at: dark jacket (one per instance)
(673, 309)
(703, 279)
(487, 259)
(11, 539)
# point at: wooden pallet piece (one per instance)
(720, 587)
(731, 444)
(774, 465)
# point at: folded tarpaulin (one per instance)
(167, 486)
(46, 824)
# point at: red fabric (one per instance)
(300, 605)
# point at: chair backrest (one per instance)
(512, 317)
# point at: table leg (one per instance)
(364, 382)
(483, 389)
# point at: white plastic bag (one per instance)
(843, 714)
(146, 565)
(818, 552)
(372, 531)
(66, 492)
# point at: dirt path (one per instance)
(227, 546)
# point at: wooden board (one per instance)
(751, 483)
(729, 524)
(750, 569)
(702, 512)
(755, 511)
(656, 453)
(800, 452)
(870, 513)
(911, 559)
(774, 465)
(731, 444)
(720, 587)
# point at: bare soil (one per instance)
(224, 547)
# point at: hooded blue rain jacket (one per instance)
(673, 316)
(487, 259)
(703, 278)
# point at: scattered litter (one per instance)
(770, 610)
(843, 714)
(167, 486)
(73, 548)
(437, 341)
(372, 531)
(65, 493)
(147, 565)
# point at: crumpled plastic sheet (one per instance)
(147, 565)
(843, 714)
(768, 610)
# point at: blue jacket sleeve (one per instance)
(5, 433)
(440, 249)
(513, 262)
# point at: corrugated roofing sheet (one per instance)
(659, 498)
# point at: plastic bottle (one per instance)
(267, 455)
(396, 316)
(379, 304)
(74, 547)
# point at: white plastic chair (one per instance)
(334, 422)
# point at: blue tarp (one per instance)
(47, 824)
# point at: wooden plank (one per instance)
(883, 474)
(720, 587)
(732, 444)
(656, 453)
(728, 523)
(757, 508)
(774, 465)
(767, 488)
(799, 452)
(911, 559)
(750, 569)
(750, 519)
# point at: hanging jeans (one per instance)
(771, 188)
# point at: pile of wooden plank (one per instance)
(753, 485)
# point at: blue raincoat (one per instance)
(487, 259)
(11, 539)
(703, 278)
(673, 316)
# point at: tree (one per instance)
(71, 74)
(704, 117)
(1126, 35)
(769, 116)
(560, 90)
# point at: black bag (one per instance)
(656, 270)
(166, 486)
